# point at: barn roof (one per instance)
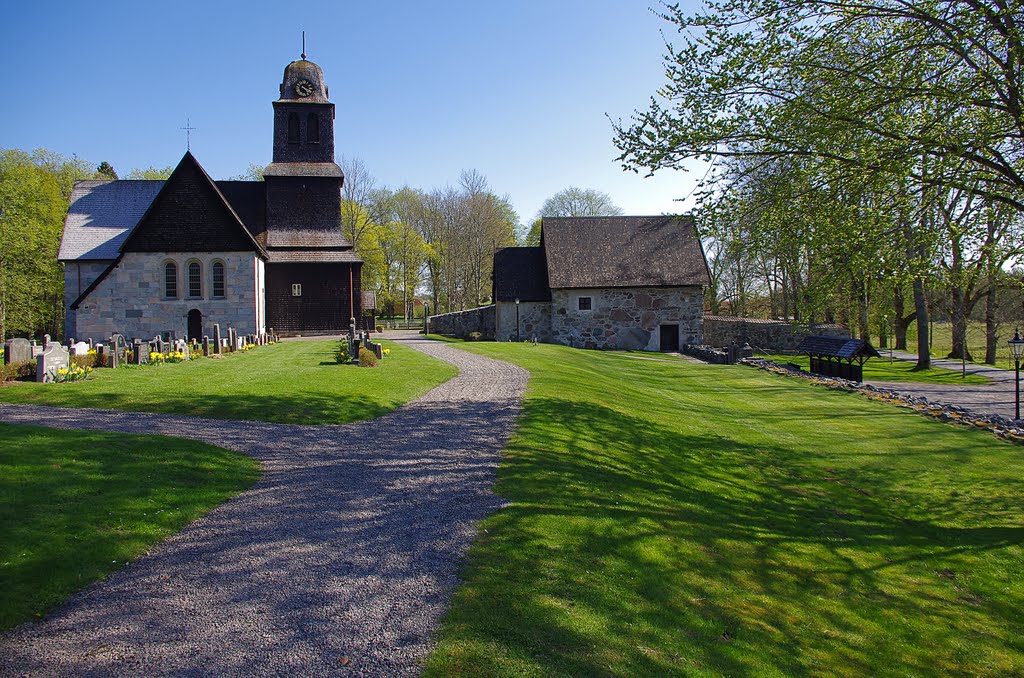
(623, 252)
(521, 273)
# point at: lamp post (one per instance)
(517, 318)
(1017, 351)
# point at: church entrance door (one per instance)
(195, 325)
(669, 338)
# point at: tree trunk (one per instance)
(903, 319)
(924, 360)
(991, 328)
(958, 311)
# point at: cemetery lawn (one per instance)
(877, 369)
(293, 382)
(76, 506)
(680, 519)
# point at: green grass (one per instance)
(678, 519)
(294, 382)
(75, 506)
(880, 369)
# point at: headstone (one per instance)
(216, 338)
(118, 350)
(102, 356)
(53, 358)
(46, 341)
(17, 351)
(232, 339)
(206, 345)
(79, 348)
(91, 344)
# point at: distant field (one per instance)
(942, 341)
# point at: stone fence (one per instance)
(767, 335)
(461, 323)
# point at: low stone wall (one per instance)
(768, 335)
(462, 323)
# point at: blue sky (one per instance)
(516, 90)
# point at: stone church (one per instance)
(171, 258)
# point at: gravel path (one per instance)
(341, 559)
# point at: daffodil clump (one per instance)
(157, 358)
(66, 375)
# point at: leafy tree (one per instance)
(151, 173)
(532, 238)
(106, 171)
(254, 172)
(579, 202)
(32, 208)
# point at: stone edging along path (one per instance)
(998, 425)
(341, 558)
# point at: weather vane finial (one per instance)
(303, 44)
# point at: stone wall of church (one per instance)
(78, 275)
(626, 317)
(131, 300)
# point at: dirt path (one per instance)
(342, 557)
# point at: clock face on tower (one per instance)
(303, 88)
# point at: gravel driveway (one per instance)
(340, 559)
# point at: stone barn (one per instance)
(605, 282)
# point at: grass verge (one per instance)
(77, 505)
(294, 382)
(898, 370)
(678, 519)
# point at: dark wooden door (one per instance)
(670, 338)
(195, 325)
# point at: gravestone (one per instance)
(216, 339)
(79, 348)
(232, 339)
(91, 344)
(206, 345)
(46, 341)
(118, 350)
(53, 358)
(17, 351)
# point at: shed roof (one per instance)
(623, 252)
(521, 273)
(837, 347)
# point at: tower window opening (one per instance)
(293, 128)
(313, 128)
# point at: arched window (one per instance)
(293, 128)
(313, 128)
(171, 280)
(195, 279)
(218, 280)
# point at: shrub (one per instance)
(380, 328)
(367, 358)
(17, 371)
(474, 336)
(87, 360)
(343, 357)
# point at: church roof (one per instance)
(101, 216)
(104, 213)
(662, 251)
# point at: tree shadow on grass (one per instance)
(632, 547)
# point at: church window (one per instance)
(313, 128)
(218, 279)
(195, 279)
(293, 128)
(171, 280)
